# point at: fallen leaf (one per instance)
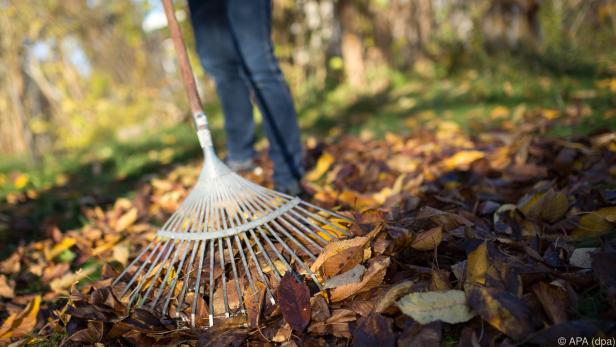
(462, 160)
(503, 311)
(392, 294)
(352, 276)
(334, 249)
(293, 297)
(371, 279)
(18, 325)
(422, 335)
(6, 287)
(582, 257)
(554, 301)
(127, 219)
(594, 224)
(373, 330)
(477, 265)
(323, 164)
(253, 300)
(428, 240)
(60, 247)
(554, 207)
(449, 306)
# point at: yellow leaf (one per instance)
(121, 252)
(60, 247)
(428, 240)
(462, 160)
(499, 112)
(594, 224)
(21, 181)
(448, 306)
(127, 219)
(18, 325)
(554, 207)
(323, 164)
(477, 265)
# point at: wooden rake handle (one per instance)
(185, 68)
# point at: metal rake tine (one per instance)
(259, 270)
(235, 275)
(135, 262)
(225, 299)
(292, 238)
(244, 262)
(296, 258)
(164, 249)
(166, 277)
(211, 298)
(198, 283)
(186, 281)
(175, 279)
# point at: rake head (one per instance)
(227, 235)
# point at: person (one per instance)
(233, 39)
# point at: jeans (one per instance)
(234, 44)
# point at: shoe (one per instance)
(290, 188)
(240, 166)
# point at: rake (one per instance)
(226, 236)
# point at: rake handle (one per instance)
(185, 68)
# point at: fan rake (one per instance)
(227, 235)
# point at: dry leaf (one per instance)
(428, 240)
(371, 279)
(18, 325)
(449, 306)
(127, 219)
(392, 294)
(294, 301)
(477, 265)
(352, 276)
(60, 247)
(594, 224)
(6, 287)
(323, 164)
(462, 160)
(253, 300)
(335, 248)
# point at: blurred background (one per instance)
(90, 95)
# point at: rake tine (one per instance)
(259, 270)
(135, 293)
(135, 262)
(235, 276)
(211, 299)
(198, 284)
(186, 281)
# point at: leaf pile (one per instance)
(496, 240)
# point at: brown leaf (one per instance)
(503, 311)
(6, 287)
(126, 220)
(374, 330)
(334, 249)
(293, 298)
(11, 265)
(253, 300)
(372, 278)
(216, 338)
(553, 300)
(428, 240)
(392, 294)
(422, 335)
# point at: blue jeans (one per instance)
(234, 45)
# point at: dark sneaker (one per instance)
(291, 188)
(241, 165)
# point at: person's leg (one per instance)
(221, 60)
(251, 25)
